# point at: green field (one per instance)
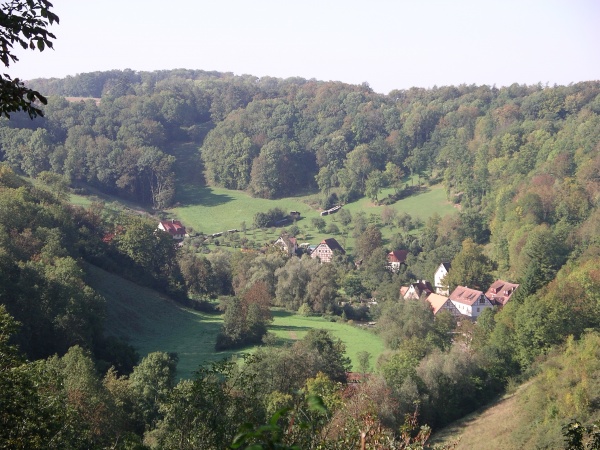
(210, 210)
(152, 322)
(289, 327)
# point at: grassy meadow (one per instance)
(152, 322)
(210, 210)
(289, 327)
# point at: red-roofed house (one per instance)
(469, 302)
(325, 249)
(500, 292)
(173, 227)
(395, 259)
(440, 303)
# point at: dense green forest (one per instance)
(521, 163)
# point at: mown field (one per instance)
(289, 327)
(152, 322)
(211, 210)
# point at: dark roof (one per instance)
(423, 286)
(446, 265)
(333, 245)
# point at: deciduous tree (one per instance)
(24, 23)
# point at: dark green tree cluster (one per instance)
(245, 320)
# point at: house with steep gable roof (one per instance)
(174, 227)
(288, 244)
(438, 278)
(500, 292)
(416, 290)
(470, 302)
(325, 250)
(395, 259)
(440, 303)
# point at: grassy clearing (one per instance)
(211, 210)
(152, 322)
(431, 200)
(291, 327)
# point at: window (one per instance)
(477, 309)
(482, 301)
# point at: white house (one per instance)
(287, 244)
(173, 227)
(324, 251)
(439, 275)
(469, 302)
(395, 259)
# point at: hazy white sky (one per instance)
(390, 44)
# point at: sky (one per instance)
(385, 43)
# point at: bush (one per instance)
(330, 201)
(332, 228)
(264, 220)
(305, 310)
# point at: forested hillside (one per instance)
(521, 164)
(522, 161)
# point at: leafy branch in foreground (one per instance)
(24, 23)
(581, 437)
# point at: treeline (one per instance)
(276, 137)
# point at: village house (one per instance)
(438, 278)
(441, 303)
(469, 302)
(173, 227)
(287, 244)
(395, 259)
(325, 250)
(416, 290)
(500, 292)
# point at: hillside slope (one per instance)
(152, 322)
(566, 388)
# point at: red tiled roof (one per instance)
(436, 301)
(173, 226)
(397, 256)
(500, 292)
(465, 295)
